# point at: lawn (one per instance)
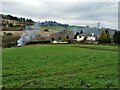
(60, 66)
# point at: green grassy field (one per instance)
(60, 28)
(60, 66)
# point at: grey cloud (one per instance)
(72, 12)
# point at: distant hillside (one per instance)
(13, 23)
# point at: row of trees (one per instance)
(53, 23)
(75, 37)
(105, 37)
(16, 18)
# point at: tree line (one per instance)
(16, 18)
(105, 37)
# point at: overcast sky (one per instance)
(73, 12)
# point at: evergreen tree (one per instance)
(67, 37)
(75, 37)
(27, 20)
(116, 37)
(81, 32)
(118, 41)
(53, 39)
(103, 37)
(23, 19)
(108, 36)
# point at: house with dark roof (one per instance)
(87, 38)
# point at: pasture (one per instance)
(60, 66)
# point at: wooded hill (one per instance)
(14, 23)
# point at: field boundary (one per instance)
(87, 47)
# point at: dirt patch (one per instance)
(95, 48)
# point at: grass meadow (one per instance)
(60, 66)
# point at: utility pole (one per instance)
(98, 25)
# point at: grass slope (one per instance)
(61, 28)
(60, 66)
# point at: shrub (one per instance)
(39, 42)
(9, 34)
(11, 25)
(8, 40)
(9, 44)
(66, 39)
(46, 30)
(53, 39)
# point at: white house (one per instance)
(86, 37)
(91, 37)
(80, 37)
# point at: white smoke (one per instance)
(29, 34)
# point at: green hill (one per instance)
(13, 23)
(61, 28)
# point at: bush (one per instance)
(9, 44)
(8, 40)
(38, 42)
(11, 25)
(46, 30)
(9, 34)
(53, 39)
(66, 39)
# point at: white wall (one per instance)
(91, 38)
(80, 39)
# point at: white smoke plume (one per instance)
(29, 34)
